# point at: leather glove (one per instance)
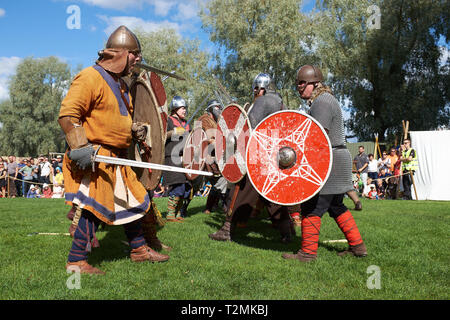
(179, 131)
(82, 156)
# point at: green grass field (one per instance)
(408, 241)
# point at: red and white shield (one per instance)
(195, 151)
(233, 132)
(288, 157)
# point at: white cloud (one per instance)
(8, 67)
(2, 12)
(115, 4)
(134, 22)
(162, 7)
(187, 10)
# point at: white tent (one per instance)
(433, 154)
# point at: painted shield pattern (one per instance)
(288, 157)
(194, 152)
(233, 133)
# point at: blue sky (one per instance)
(38, 28)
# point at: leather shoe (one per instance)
(145, 253)
(83, 267)
(301, 256)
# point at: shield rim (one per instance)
(249, 128)
(134, 82)
(191, 134)
(329, 166)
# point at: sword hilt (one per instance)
(94, 155)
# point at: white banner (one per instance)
(433, 153)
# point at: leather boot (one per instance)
(301, 256)
(83, 267)
(149, 223)
(223, 234)
(145, 253)
(359, 250)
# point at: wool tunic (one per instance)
(111, 192)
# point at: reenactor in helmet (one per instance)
(326, 110)
(248, 201)
(219, 183)
(179, 187)
(95, 116)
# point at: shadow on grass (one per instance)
(261, 234)
(111, 245)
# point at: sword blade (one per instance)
(156, 70)
(147, 165)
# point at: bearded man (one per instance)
(96, 117)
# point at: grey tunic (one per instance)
(326, 110)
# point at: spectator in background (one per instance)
(32, 192)
(59, 178)
(3, 181)
(19, 183)
(58, 191)
(384, 163)
(57, 163)
(382, 181)
(27, 174)
(373, 194)
(409, 166)
(362, 163)
(368, 188)
(46, 170)
(13, 171)
(46, 191)
(372, 168)
(393, 159)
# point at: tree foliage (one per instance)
(29, 118)
(258, 36)
(165, 49)
(389, 74)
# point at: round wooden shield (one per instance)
(288, 157)
(159, 93)
(233, 133)
(146, 110)
(194, 152)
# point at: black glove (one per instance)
(82, 156)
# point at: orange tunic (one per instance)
(111, 192)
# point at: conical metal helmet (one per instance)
(177, 102)
(262, 81)
(214, 111)
(124, 38)
(309, 73)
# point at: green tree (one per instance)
(391, 73)
(256, 36)
(165, 49)
(30, 117)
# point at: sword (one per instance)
(147, 165)
(198, 108)
(153, 69)
(165, 77)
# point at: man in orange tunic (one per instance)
(95, 116)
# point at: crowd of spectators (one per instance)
(378, 179)
(31, 177)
